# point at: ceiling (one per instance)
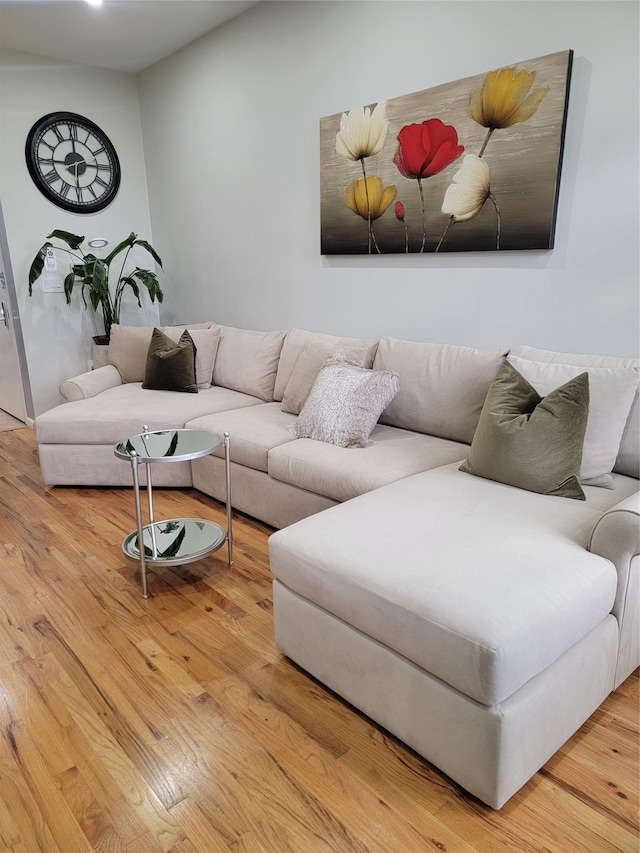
(124, 35)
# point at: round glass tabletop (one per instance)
(169, 445)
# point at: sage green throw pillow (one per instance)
(171, 366)
(528, 441)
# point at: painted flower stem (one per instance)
(444, 233)
(366, 190)
(495, 204)
(424, 215)
(400, 212)
(486, 140)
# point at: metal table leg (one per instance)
(227, 471)
(136, 490)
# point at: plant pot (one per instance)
(100, 351)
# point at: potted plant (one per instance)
(101, 286)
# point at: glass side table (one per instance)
(177, 540)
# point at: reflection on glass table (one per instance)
(177, 541)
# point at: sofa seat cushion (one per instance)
(480, 584)
(118, 412)
(342, 473)
(253, 431)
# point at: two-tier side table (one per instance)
(176, 540)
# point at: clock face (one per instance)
(72, 162)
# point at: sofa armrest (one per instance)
(616, 536)
(91, 383)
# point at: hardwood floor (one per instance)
(174, 724)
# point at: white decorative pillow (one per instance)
(206, 343)
(307, 367)
(611, 392)
(344, 404)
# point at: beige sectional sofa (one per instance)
(479, 622)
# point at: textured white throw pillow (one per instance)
(611, 392)
(307, 367)
(344, 404)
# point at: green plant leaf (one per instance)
(94, 297)
(123, 245)
(100, 277)
(37, 265)
(150, 281)
(69, 282)
(151, 250)
(79, 270)
(73, 241)
(133, 284)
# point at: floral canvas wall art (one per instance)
(472, 165)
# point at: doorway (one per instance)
(15, 389)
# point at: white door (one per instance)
(13, 378)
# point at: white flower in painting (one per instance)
(362, 133)
(470, 189)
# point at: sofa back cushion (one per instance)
(206, 345)
(442, 386)
(628, 456)
(128, 348)
(298, 340)
(129, 345)
(247, 360)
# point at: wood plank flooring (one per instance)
(174, 724)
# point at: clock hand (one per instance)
(87, 160)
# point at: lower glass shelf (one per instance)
(175, 541)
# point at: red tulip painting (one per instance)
(424, 150)
(472, 165)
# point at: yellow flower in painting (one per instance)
(471, 187)
(362, 133)
(368, 198)
(505, 98)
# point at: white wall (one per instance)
(231, 150)
(231, 127)
(58, 337)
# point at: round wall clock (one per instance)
(72, 162)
